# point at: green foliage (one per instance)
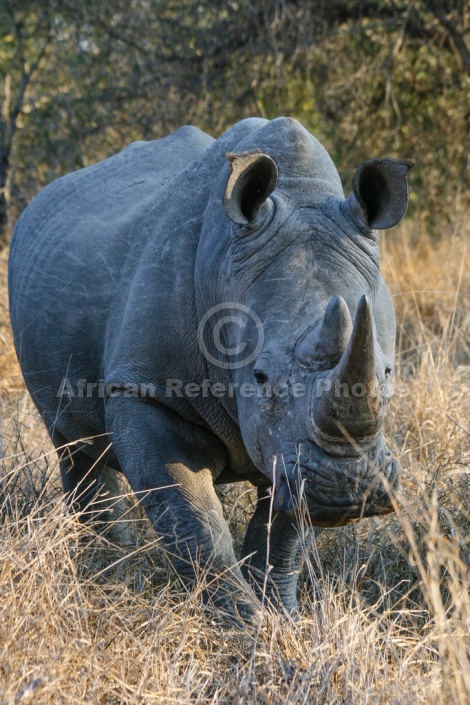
(368, 78)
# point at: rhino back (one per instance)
(102, 272)
(69, 256)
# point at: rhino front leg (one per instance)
(273, 549)
(168, 463)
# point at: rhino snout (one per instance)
(334, 491)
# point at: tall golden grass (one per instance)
(385, 604)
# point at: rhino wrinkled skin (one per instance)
(189, 262)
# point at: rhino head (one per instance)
(304, 262)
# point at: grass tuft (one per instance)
(385, 604)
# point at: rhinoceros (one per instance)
(196, 311)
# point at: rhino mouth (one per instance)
(328, 515)
(334, 492)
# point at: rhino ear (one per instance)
(254, 176)
(380, 188)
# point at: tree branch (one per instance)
(455, 34)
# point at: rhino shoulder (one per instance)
(185, 144)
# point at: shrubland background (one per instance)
(385, 603)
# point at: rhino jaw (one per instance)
(335, 491)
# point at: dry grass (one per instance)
(385, 604)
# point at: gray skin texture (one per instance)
(113, 268)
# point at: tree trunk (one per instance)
(4, 164)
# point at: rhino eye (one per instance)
(260, 376)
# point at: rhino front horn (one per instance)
(349, 408)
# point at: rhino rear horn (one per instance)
(380, 190)
(254, 176)
(329, 339)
